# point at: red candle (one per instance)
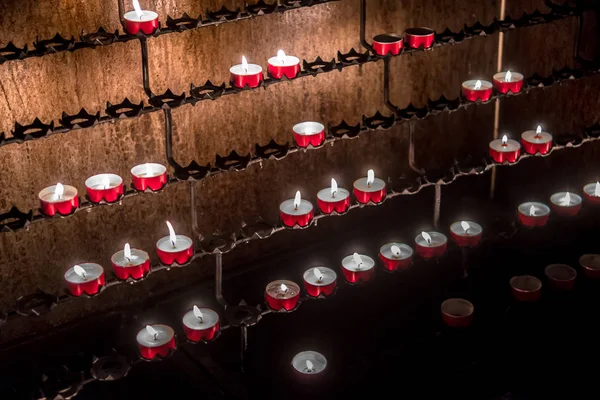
(282, 295)
(149, 176)
(107, 187)
(309, 133)
(369, 189)
(591, 192)
(466, 233)
(140, 20)
(283, 65)
(85, 278)
(505, 149)
(245, 74)
(358, 268)
(591, 265)
(526, 287)
(320, 281)
(505, 82)
(533, 214)
(61, 199)
(201, 324)
(474, 90)
(431, 244)
(174, 248)
(130, 263)
(309, 367)
(565, 204)
(333, 199)
(296, 211)
(419, 37)
(561, 276)
(395, 256)
(457, 313)
(156, 340)
(536, 141)
(387, 44)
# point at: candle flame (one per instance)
(597, 190)
(370, 177)
(105, 182)
(538, 130)
(283, 288)
(244, 64)
(504, 140)
(79, 271)
(508, 76)
(297, 200)
(477, 85)
(396, 250)
(318, 274)
(281, 56)
(59, 190)
(309, 366)
(357, 259)
(137, 8)
(426, 236)
(465, 225)
(172, 235)
(127, 252)
(532, 210)
(152, 331)
(198, 313)
(334, 187)
(566, 201)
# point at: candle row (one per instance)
(503, 82)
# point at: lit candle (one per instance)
(466, 233)
(283, 65)
(591, 265)
(85, 278)
(526, 287)
(561, 276)
(395, 256)
(533, 214)
(245, 74)
(430, 244)
(296, 211)
(61, 199)
(156, 340)
(309, 366)
(369, 189)
(201, 324)
(536, 141)
(565, 204)
(282, 295)
(320, 281)
(149, 176)
(333, 198)
(457, 313)
(130, 263)
(140, 20)
(309, 133)
(474, 90)
(358, 268)
(387, 44)
(419, 37)
(591, 192)
(107, 187)
(505, 82)
(505, 149)
(174, 248)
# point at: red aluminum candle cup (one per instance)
(149, 176)
(419, 37)
(309, 133)
(431, 244)
(474, 90)
(147, 22)
(565, 204)
(466, 233)
(156, 340)
(320, 281)
(293, 212)
(63, 201)
(180, 253)
(532, 214)
(561, 276)
(591, 265)
(505, 82)
(201, 324)
(136, 266)
(107, 187)
(502, 150)
(242, 76)
(366, 190)
(591, 192)
(395, 256)
(457, 313)
(309, 367)
(282, 295)
(526, 287)
(387, 44)
(85, 278)
(283, 65)
(536, 141)
(358, 268)
(333, 199)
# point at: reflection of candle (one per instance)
(590, 264)
(466, 233)
(320, 281)
(508, 81)
(309, 133)
(201, 324)
(245, 74)
(565, 204)
(155, 340)
(536, 141)
(107, 187)
(457, 313)
(430, 244)
(419, 37)
(505, 149)
(140, 20)
(60, 199)
(149, 176)
(395, 256)
(174, 248)
(85, 278)
(333, 198)
(387, 44)
(526, 287)
(308, 366)
(369, 189)
(283, 65)
(561, 276)
(296, 211)
(282, 295)
(358, 268)
(474, 90)
(591, 192)
(130, 262)
(533, 214)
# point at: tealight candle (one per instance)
(149, 176)
(591, 192)
(61, 199)
(320, 281)
(308, 366)
(505, 149)
(130, 263)
(536, 141)
(140, 20)
(245, 74)
(533, 214)
(369, 189)
(474, 90)
(387, 44)
(201, 324)
(174, 248)
(85, 278)
(107, 187)
(466, 233)
(431, 244)
(526, 287)
(296, 211)
(565, 204)
(309, 133)
(333, 199)
(283, 65)
(419, 37)
(395, 256)
(505, 82)
(591, 265)
(282, 295)
(457, 313)
(156, 340)
(358, 267)
(561, 276)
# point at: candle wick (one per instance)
(173, 243)
(200, 318)
(128, 259)
(428, 241)
(319, 279)
(156, 336)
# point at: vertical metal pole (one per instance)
(386, 85)
(243, 344)
(437, 206)
(464, 262)
(219, 279)
(193, 211)
(121, 8)
(145, 72)
(363, 23)
(411, 150)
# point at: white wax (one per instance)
(589, 189)
(537, 138)
(148, 170)
(209, 319)
(165, 334)
(474, 229)
(501, 77)
(510, 146)
(376, 186)
(286, 62)
(287, 207)
(349, 263)
(103, 181)
(253, 69)
(92, 272)
(405, 251)
(525, 283)
(591, 261)
(146, 16)
(181, 243)
(457, 307)
(318, 361)
(470, 85)
(437, 239)
(47, 194)
(540, 209)
(560, 272)
(560, 197)
(329, 276)
(274, 289)
(138, 257)
(308, 128)
(326, 196)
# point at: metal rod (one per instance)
(193, 210)
(243, 344)
(363, 23)
(145, 73)
(121, 8)
(464, 262)
(411, 150)
(386, 86)
(169, 139)
(437, 204)
(219, 279)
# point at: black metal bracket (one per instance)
(363, 27)
(386, 86)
